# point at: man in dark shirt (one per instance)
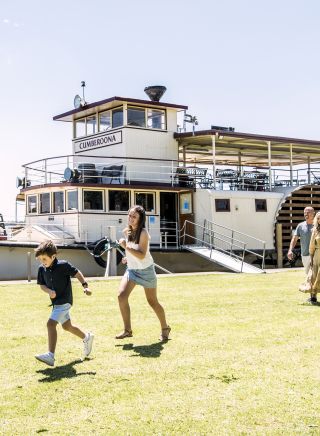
(54, 278)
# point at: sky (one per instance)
(250, 64)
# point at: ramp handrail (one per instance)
(230, 241)
(246, 235)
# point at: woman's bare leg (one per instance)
(151, 294)
(125, 289)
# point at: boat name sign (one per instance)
(97, 141)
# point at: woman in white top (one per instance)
(140, 270)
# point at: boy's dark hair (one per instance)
(46, 247)
(135, 236)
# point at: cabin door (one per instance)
(186, 214)
(169, 220)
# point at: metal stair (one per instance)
(220, 247)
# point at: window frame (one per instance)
(50, 205)
(27, 204)
(153, 193)
(122, 210)
(263, 201)
(219, 209)
(67, 200)
(93, 210)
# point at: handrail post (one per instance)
(243, 253)
(264, 253)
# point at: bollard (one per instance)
(29, 266)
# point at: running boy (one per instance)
(54, 279)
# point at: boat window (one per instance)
(146, 200)
(136, 117)
(222, 204)
(72, 200)
(91, 125)
(104, 121)
(119, 201)
(58, 202)
(156, 119)
(45, 203)
(32, 204)
(261, 205)
(117, 117)
(92, 200)
(80, 127)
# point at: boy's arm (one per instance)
(49, 291)
(83, 282)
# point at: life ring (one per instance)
(100, 247)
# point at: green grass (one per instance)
(243, 359)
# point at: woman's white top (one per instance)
(134, 262)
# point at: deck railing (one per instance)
(132, 171)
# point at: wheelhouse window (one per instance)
(45, 203)
(136, 117)
(32, 204)
(156, 119)
(222, 204)
(80, 127)
(117, 117)
(261, 205)
(104, 121)
(72, 200)
(58, 202)
(146, 200)
(119, 201)
(92, 200)
(91, 125)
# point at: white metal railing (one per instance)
(214, 240)
(98, 169)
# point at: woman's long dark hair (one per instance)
(134, 236)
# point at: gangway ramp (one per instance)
(223, 259)
(222, 245)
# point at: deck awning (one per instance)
(250, 149)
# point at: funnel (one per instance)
(155, 92)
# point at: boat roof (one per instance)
(109, 103)
(251, 148)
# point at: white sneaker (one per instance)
(87, 345)
(45, 358)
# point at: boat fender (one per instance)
(101, 247)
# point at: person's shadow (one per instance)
(60, 372)
(152, 350)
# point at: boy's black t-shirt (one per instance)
(57, 278)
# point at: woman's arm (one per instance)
(141, 251)
(312, 246)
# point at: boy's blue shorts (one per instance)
(60, 313)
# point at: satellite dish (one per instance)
(77, 102)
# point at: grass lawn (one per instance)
(243, 359)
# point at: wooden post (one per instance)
(279, 245)
(29, 266)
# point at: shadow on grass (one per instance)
(60, 372)
(152, 350)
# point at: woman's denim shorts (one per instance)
(144, 277)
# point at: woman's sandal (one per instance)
(165, 334)
(125, 334)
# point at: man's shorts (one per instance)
(60, 313)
